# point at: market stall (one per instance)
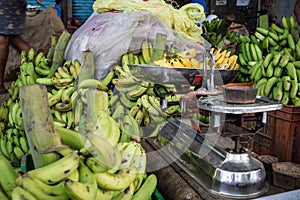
(154, 103)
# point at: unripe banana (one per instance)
(147, 188)
(19, 194)
(43, 191)
(92, 83)
(117, 181)
(104, 194)
(8, 175)
(58, 170)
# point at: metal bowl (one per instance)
(179, 76)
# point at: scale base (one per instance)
(230, 175)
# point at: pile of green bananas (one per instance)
(215, 31)
(79, 107)
(270, 59)
(75, 176)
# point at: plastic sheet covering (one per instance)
(110, 35)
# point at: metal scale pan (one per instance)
(178, 76)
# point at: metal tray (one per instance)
(218, 104)
(178, 76)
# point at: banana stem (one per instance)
(38, 124)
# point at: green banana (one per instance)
(44, 81)
(103, 150)
(44, 191)
(291, 71)
(294, 88)
(31, 54)
(58, 170)
(146, 117)
(128, 103)
(286, 97)
(284, 60)
(92, 83)
(285, 23)
(269, 85)
(278, 71)
(126, 194)
(276, 58)
(70, 137)
(18, 152)
(134, 110)
(3, 147)
(127, 153)
(63, 107)
(3, 195)
(291, 41)
(147, 105)
(104, 194)
(142, 88)
(74, 176)
(263, 31)
(147, 188)
(146, 51)
(261, 82)
(55, 98)
(259, 36)
(108, 78)
(20, 194)
(253, 52)
(255, 69)
(119, 113)
(86, 188)
(286, 82)
(8, 176)
(42, 72)
(96, 166)
(125, 62)
(292, 22)
(276, 28)
(117, 181)
(267, 60)
(73, 71)
(278, 91)
(66, 95)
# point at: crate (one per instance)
(262, 144)
(280, 136)
(286, 175)
(286, 133)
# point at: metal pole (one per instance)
(65, 12)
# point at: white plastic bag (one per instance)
(110, 35)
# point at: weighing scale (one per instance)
(217, 156)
